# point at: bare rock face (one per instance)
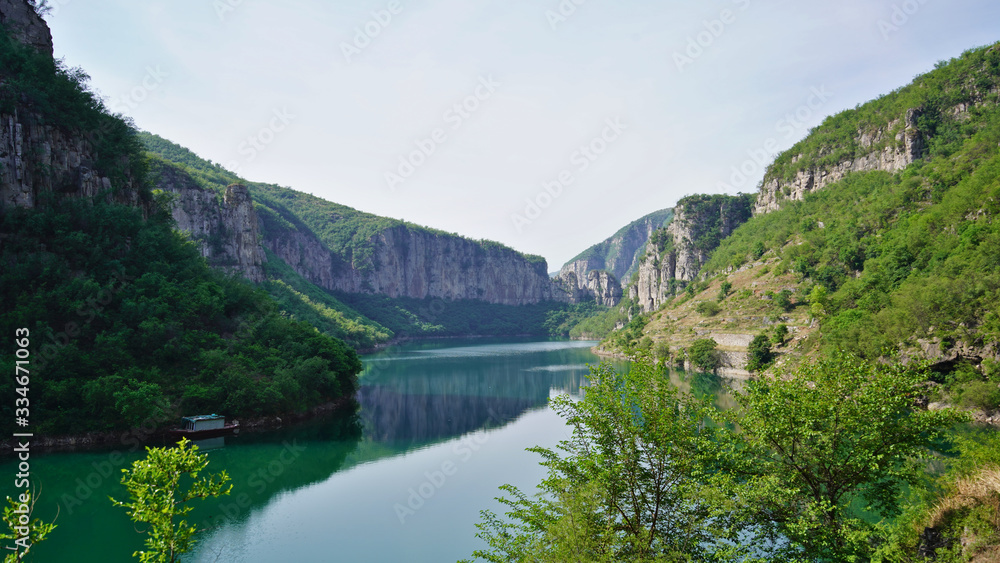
(602, 287)
(25, 25)
(939, 353)
(37, 158)
(227, 231)
(652, 286)
(908, 147)
(700, 223)
(409, 262)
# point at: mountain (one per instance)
(596, 273)
(119, 320)
(619, 254)
(362, 277)
(676, 253)
(876, 234)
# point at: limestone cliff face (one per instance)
(614, 259)
(678, 252)
(892, 157)
(37, 159)
(26, 26)
(409, 262)
(600, 286)
(227, 231)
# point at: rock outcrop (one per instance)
(227, 230)
(890, 157)
(677, 253)
(615, 258)
(25, 25)
(417, 263)
(37, 159)
(599, 286)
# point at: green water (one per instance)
(440, 426)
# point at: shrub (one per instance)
(708, 308)
(759, 355)
(703, 355)
(979, 395)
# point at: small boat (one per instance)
(205, 426)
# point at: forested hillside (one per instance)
(340, 239)
(878, 261)
(123, 321)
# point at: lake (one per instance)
(440, 426)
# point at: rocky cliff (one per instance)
(889, 133)
(42, 154)
(25, 25)
(37, 159)
(676, 253)
(226, 229)
(613, 259)
(418, 263)
(890, 149)
(597, 285)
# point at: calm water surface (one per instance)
(440, 426)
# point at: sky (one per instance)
(546, 125)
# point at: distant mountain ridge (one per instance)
(619, 254)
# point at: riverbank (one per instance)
(156, 433)
(401, 340)
(729, 362)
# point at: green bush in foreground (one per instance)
(797, 473)
(156, 498)
(628, 487)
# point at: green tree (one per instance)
(156, 498)
(780, 334)
(629, 485)
(703, 355)
(724, 290)
(21, 530)
(821, 447)
(784, 300)
(759, 355)
(818, 302)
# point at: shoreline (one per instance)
(141, 437)
(396, 341)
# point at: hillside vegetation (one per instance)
(363, 320)
(878, 262)
(123, 322)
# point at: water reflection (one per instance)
(422, 396)
(349, 469)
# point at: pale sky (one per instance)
(456, 114)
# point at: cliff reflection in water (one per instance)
(414, 399)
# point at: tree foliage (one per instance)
(157, 498)
(23, 531)
(759, 355)
(628, 485)
(820, 449)
(703, 355)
